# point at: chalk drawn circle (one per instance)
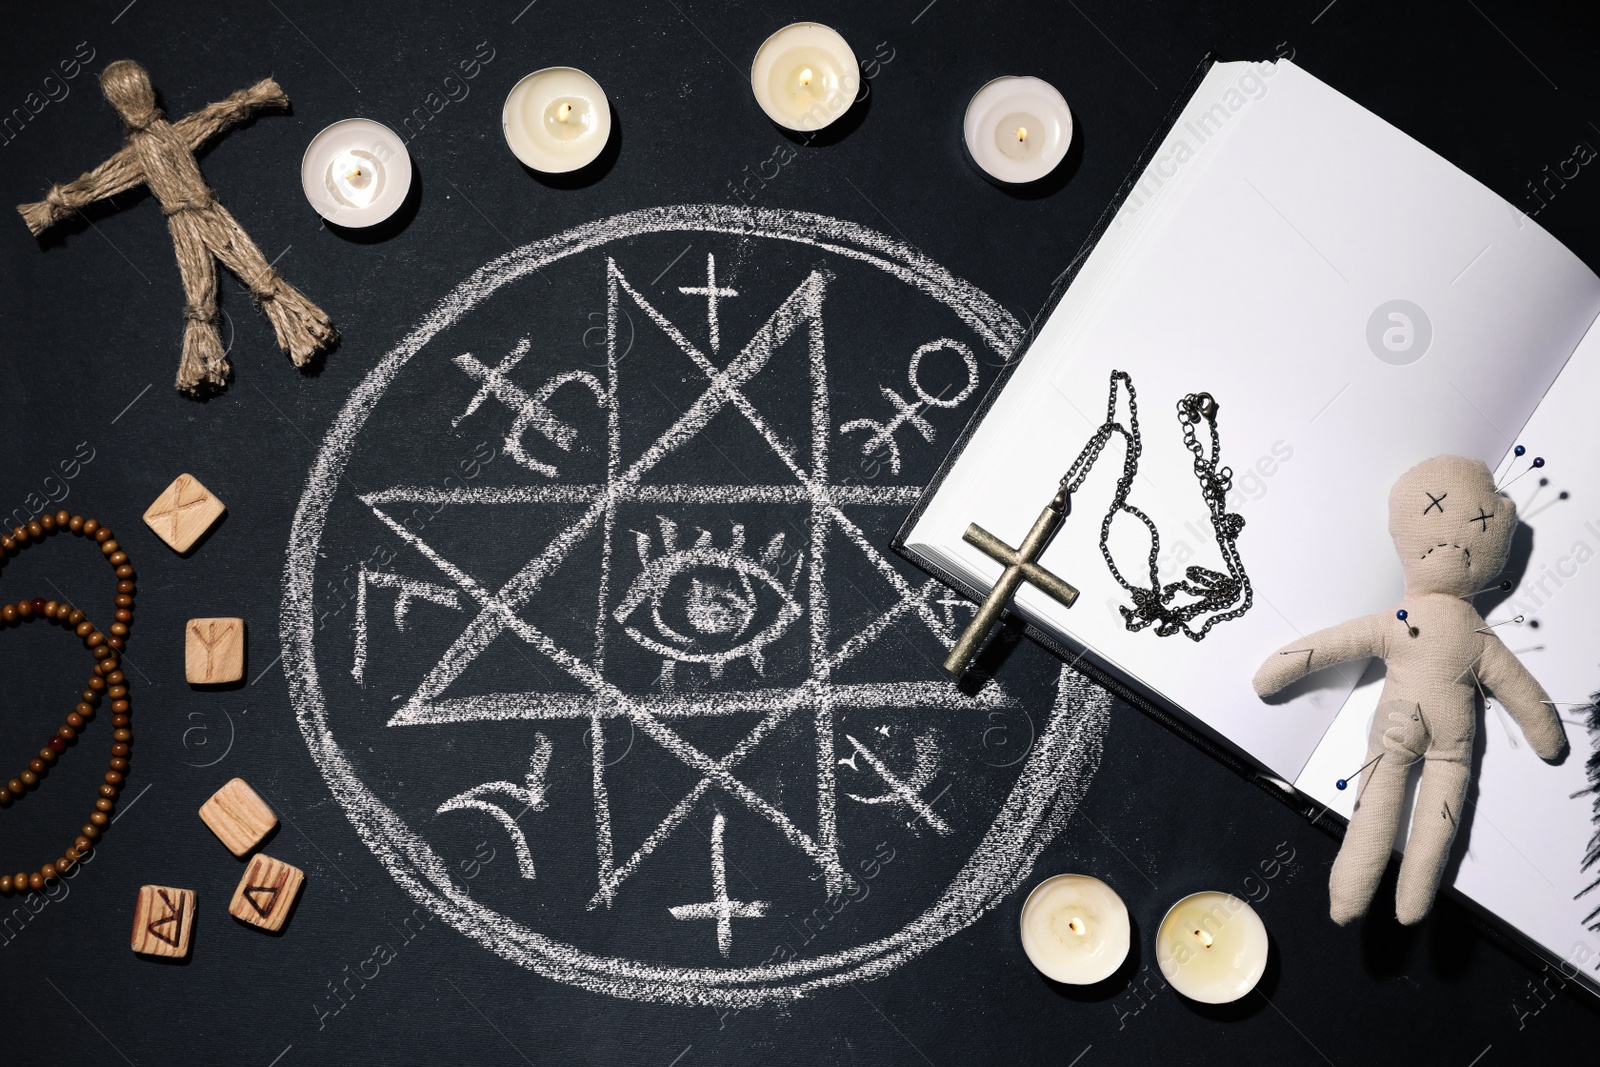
(969, 363)
(1047, 789)
(1399, 332)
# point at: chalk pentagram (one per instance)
(695, 603)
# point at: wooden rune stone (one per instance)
(266, 893)
(163, 920)
(161, 155)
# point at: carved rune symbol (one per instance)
(178, 504)
(174, 917)
(210, 640)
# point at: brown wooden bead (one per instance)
(90, 526)
(98, 818)
(29, 779)
(16, 787)
(125, 587)
(7, 544)
(63, 517)
(123, 601)
(95, 639)
(119, 749)
(101, 651)
(50, 607)
(25, 609)
(119, 720)
(5, 883)
(35, 881)
(5, 796)
(109, 546)
(48, 871)
(119, 629)
(19, 881)
(125, 571)
(82, 844)
(113, 778)
(116, 677)
(103, 534)
(63, 865)
(90, 830)
(72, 854)
(75, 721)
(66, 733)
(119, 764)
(123, 734)
(9, 613)
(97, 683)
(105, 804)
(84, 629)
(47, 754)
(123, 615)
(108, 791)
(85, 708)
(35, 531)
(75, 524)
(47, 523)
(36, 765)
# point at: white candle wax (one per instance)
(556, 120)
(1075, 929)
(1212, 947)
(805, 76)
(356, 172)
(1017, 129)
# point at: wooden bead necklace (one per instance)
(107, 680)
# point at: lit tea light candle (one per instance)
(556, 120)
(805, 76)
(1075, 929)
(356, 172)
(1212, 947)
(1017, 129)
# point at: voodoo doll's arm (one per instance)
(1357, 639)
(198, 128)
(1523, 697)
(116, 175)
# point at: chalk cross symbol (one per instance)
(711, 291)
(180, 505)
(1020, 566)
(818, 697)
(720, 907)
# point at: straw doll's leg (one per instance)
(1397, 741)
(204, 361)
(303, 328)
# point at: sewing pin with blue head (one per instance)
(1403, 615)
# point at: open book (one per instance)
(1355, 304)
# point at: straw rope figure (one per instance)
(162, 155)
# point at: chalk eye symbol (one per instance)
(705, 604)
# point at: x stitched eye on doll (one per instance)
(1452, 531)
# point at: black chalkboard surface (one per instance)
(538, 822)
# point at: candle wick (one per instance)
(563, 112)
(1076, 926)
(1022, 133)
(1205, 938)
(805, 76)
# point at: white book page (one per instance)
(1258, 285)
(1526, 834)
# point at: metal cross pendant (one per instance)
(1020, 567)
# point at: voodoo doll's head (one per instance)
(1450, 527)
(128, 88)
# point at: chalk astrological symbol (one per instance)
(684, 586)
(906, 790)
(529, 796)
(882, 433)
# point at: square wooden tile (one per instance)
(238, 817)
(266, 893)
(213, 651)
(163, 919)
(183, 512)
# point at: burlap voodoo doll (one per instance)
(162, 155)
(1452, 531)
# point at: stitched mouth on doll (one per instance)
(1466, 553)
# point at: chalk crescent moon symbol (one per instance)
(1048, 788)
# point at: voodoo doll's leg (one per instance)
(204, 360)
(302, 327)
(1439, 802)
(1396, 742)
